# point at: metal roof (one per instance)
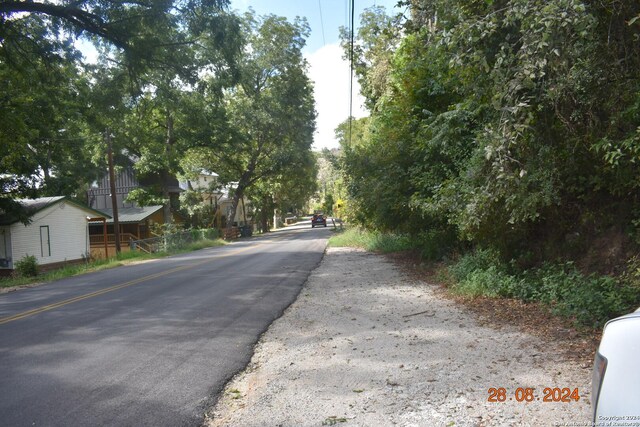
(132, 215)
(33, 206)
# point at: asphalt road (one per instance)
(148, 344)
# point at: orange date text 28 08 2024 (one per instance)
(527, 394)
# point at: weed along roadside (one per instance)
(369, 343)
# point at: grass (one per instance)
(235, 394)
(374, 241)
(123, 258)
(333, 420)
(201, 244)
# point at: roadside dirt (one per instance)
(368, 344)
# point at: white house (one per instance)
(207, 183)
(57, 234)
(205, 180)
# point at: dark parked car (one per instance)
(318, 219)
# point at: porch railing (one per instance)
(97, 240)
(172, 241)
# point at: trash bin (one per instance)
(246, 231)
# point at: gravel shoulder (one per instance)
(368, 345)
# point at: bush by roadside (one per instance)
(27, 267)
(374, 241)
(590, 300)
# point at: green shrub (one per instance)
(203, 244)
(351, 237)
(372, 240)
(480, 259)
(491, 282)
(210, 234)
(204, 234)
(434, 244)
(27, 266)
(388, 243)
(589, 299)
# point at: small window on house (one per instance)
(45, 243)
(3, 244)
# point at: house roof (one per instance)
(33, 206)
(133, 215)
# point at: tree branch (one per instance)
(79, 18)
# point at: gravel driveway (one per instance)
(366, 345)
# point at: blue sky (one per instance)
(327, 69)
(334, 14)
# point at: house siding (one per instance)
(68, 234)
(100, 196)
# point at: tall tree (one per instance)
(153, 57)
(513, 122)
(270, 111)
(377, 38)
(179, 101)
(43, 90)
(143, 30)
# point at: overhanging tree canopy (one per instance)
(270, 111)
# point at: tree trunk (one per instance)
(244, 211)
(275, 218)
(234, 208)
(114, 194)
(168, 218)
(164, 176)
(245, 181)
(264, 214)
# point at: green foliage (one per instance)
(191, 239)
(378, 36)
(266, 149)
(143, 197)
(205, 234)
(156, 102)
(491, 282)
(198, 209)
(203, 244)
(436, 243)
(481, 259)
(327, 206)
(482, 273)
(590, 300)
(331, 185)
(510, 126)
(371, 240)
(27, 266)
(498, 122)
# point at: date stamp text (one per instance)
(528, 394)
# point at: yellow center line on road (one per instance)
(59, 304)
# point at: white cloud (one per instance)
(330, 74)
(88, 50)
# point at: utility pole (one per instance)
(112, 186)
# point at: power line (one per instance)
(324, 42)
(346, 13)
